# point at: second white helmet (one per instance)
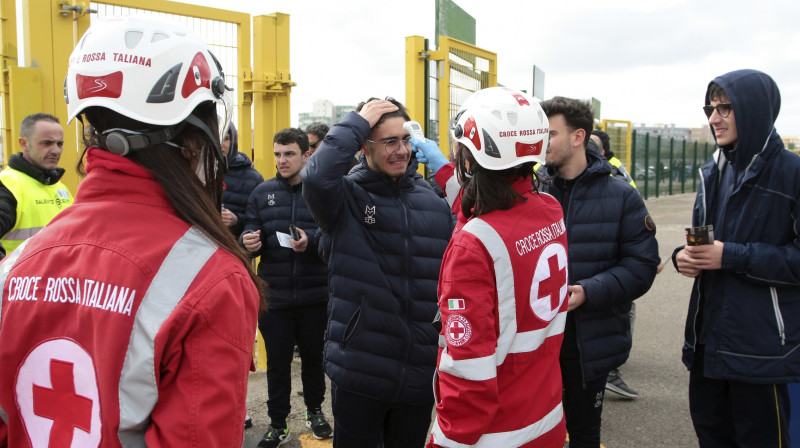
(502, 128)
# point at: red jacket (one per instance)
(502, 291)
(121, 325)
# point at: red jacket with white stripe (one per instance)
(122, 325)
(502, 291)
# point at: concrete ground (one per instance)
(658, 418)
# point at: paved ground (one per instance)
(658, 418)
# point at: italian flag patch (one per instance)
(455, 304)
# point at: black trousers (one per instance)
(583, 403)
(735, 414)
(279, 328)
(361, 422)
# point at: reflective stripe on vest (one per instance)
(138, 389)
(37, 205)
(5, 269)
(517, 437)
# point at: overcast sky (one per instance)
(648, 62)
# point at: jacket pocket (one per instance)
(352, 326)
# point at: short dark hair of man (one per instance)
(318, 129)
(578, 114)
(292, 135)
(604, 138)
(606, 141)
(715, 92)
(400, 112)
(29, 122)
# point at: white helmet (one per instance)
(502, 128)
(151, 71)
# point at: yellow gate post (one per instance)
(49, 38)
(270, 86)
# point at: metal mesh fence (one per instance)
(664, 166)
(468, 73)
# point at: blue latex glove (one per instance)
(428, 153)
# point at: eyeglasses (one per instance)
(315, 144)
(723, 109)
(393, 144)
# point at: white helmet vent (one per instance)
(132, 39)
(158, 37)
(512, 118)
(497, 114)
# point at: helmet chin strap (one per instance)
(198, 123)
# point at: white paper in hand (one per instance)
(284, 239)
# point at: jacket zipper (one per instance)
(778, 316)
(699, 281)
(294, 254)
(406, 299)
(577, 332)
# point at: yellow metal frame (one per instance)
(628, 135)
(417, 57)
(269, 86)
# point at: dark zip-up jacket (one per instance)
(613, 254)
(751, 306)
(385, 241)
(294, 278)
(240, 181)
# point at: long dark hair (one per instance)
(194, 202)
(486, 190)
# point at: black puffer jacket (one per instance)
(294, 278)
(386, 241)
(240, 180)
(613, 254)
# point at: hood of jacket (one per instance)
(240, 160)
(233, 151)
(756, 103)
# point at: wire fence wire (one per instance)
(665, 166)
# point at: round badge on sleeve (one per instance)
(649, 223)
(458, 330)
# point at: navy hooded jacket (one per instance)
(384, 243)
(240, 180)
(751, 306)
(613, 254)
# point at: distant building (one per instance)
(791, 143)
(666, 131)
(701, 134)
(324, 111)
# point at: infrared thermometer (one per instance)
(413, 128)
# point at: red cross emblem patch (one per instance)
(549, 286)
(58, 397)
(458, 330)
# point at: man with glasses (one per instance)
(385, 232)
(743, 328)
(316, 133)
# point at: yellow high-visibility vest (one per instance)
(37, 205)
